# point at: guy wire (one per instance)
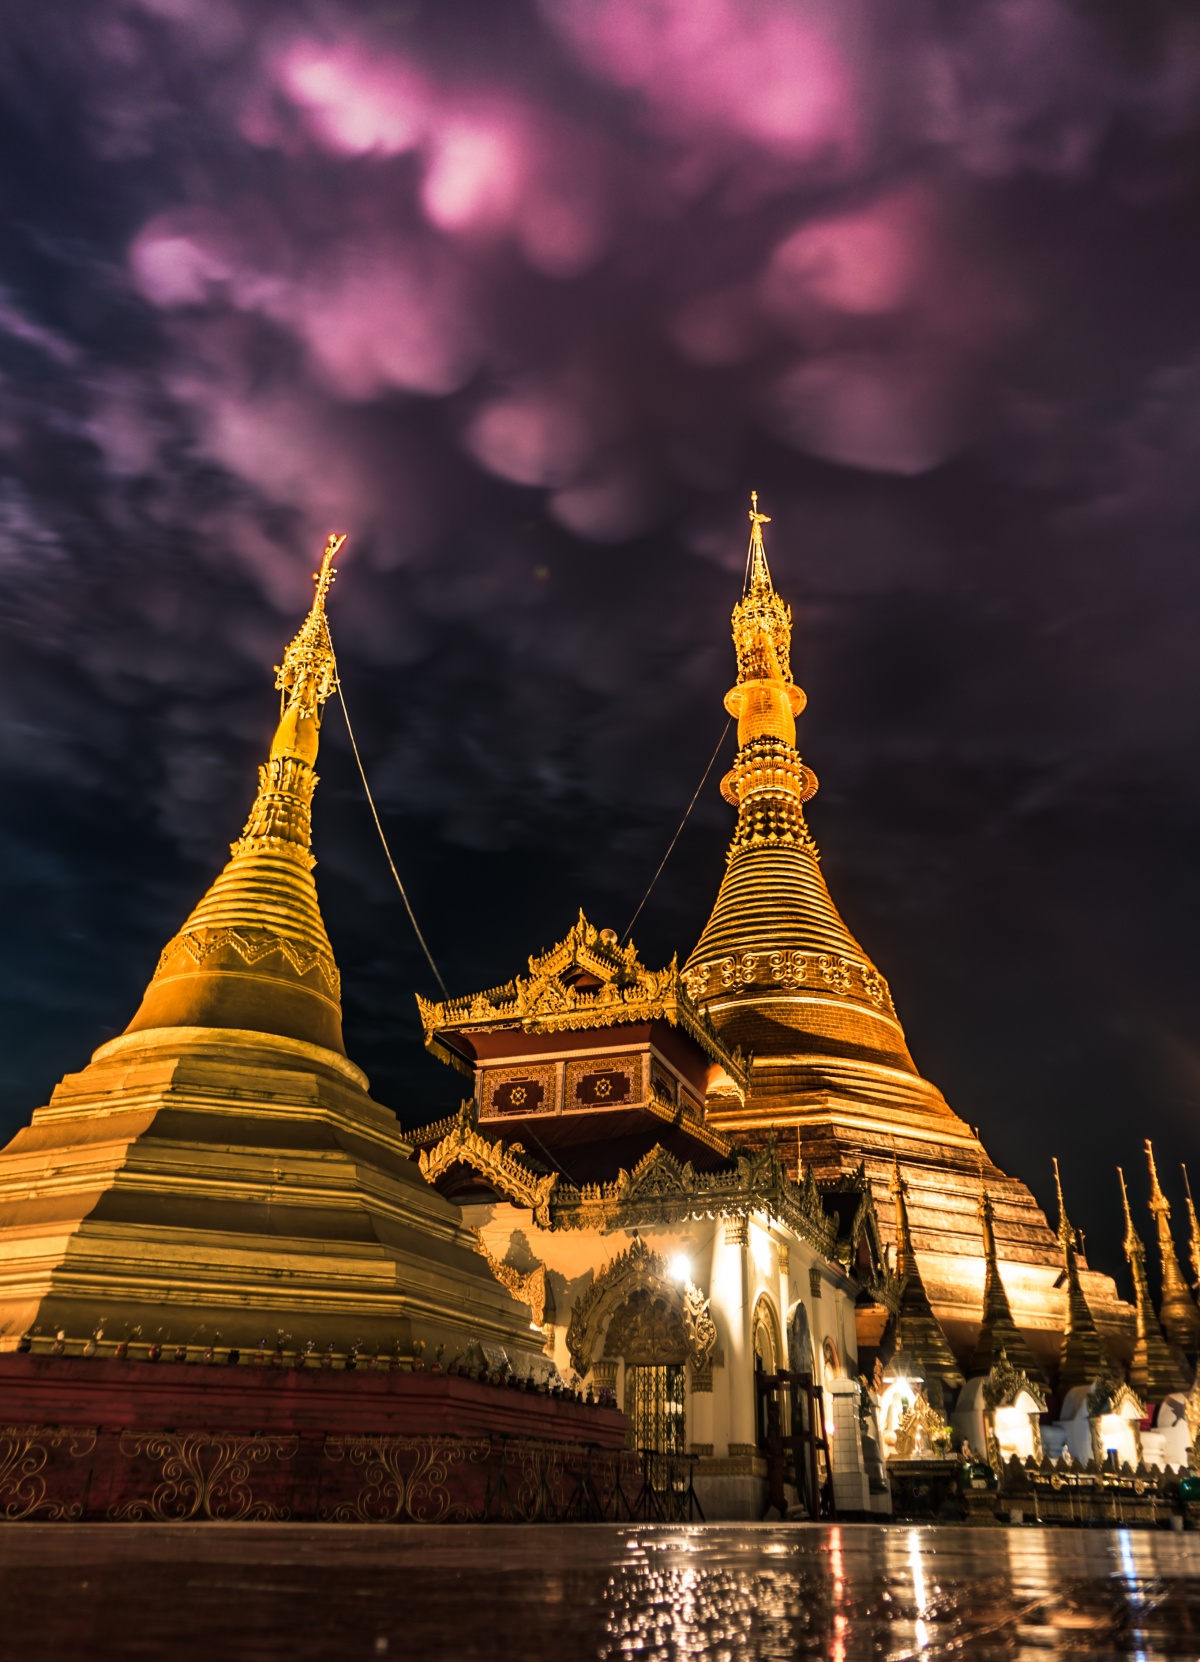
(675, 838)
(362, 773)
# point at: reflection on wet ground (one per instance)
(729, 1592)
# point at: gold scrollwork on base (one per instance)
(406, 1478)
(24, 1452)
(203, 1476)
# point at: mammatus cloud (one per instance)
(526, 299)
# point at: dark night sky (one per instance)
(526, 298)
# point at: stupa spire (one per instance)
(1154, 1372)
(775, 950)
(1193, 1231)
(917, 1329)
(998, 1332)
(254, 953)
(1177, 1309)
(1081, 1355)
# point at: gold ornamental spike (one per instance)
(1193, 1228)
(1154, 1370)
(1177, 1310)
(1081, 1354)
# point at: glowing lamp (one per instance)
(681, 1267)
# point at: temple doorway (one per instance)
(648, 1335)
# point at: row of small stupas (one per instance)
(220, 1168)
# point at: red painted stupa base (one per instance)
(84, 1438)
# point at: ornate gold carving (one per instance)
(637, 1270)
(604, 1081)
(404, 1477)
(1004, 1384)
(252, 946)
(491, 1160)
(517, 1090)
(922, 1432)
(308, 673)
(203, 1476)
(548, 1001)
(24, 1452)
(814, 1281)
(660, 1191)
(647, 1331)
(847, 977)
(736, 1231)
(527, 1288)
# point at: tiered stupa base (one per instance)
(205, 1186)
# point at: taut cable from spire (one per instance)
(362, 773)
(678, 830)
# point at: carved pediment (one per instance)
(638, 1270)
(500, 1166)
(1005, 1383)
(587, 980)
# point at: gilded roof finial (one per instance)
(1194, 1228)
(758, 574)
(1081, 1355)
(1154, 1371)
(308, 674)
(1177, 1310)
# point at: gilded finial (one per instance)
(1133, 1241)
(1158, 1201)
(308, 674)
(1194, 1227)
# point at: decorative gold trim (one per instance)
(527, 1289)
(24, 1451)
(203, 1476)
(638, 1270)
(395, 1490)
(547, 1003)
(491, 1160)
(252, 946)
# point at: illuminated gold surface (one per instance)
(780, 974)
(918, 1331)
(1177, 1311)
(254, 952)
(998, 1333)
(220, 1171)
(1081, 1356)
(1154, 1370)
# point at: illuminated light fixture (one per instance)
(681, 1267)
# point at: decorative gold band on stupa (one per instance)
(254, 953)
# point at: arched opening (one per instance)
(800, 1350)
(647, 1334)
(767, 1349)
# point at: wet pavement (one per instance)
(732, 1593)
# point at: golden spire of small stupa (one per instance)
(1193, 1230)
(1154, 1372)
(1081, 1355)
(917, 1329)
(1177, 1310)
(254, 953)
(997, 1330)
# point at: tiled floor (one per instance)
(237, 1593)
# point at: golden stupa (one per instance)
(780, 975)
(219, 1172)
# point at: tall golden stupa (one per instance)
(219, 1171)
(781, 976)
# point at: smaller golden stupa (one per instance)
(219, 1172)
